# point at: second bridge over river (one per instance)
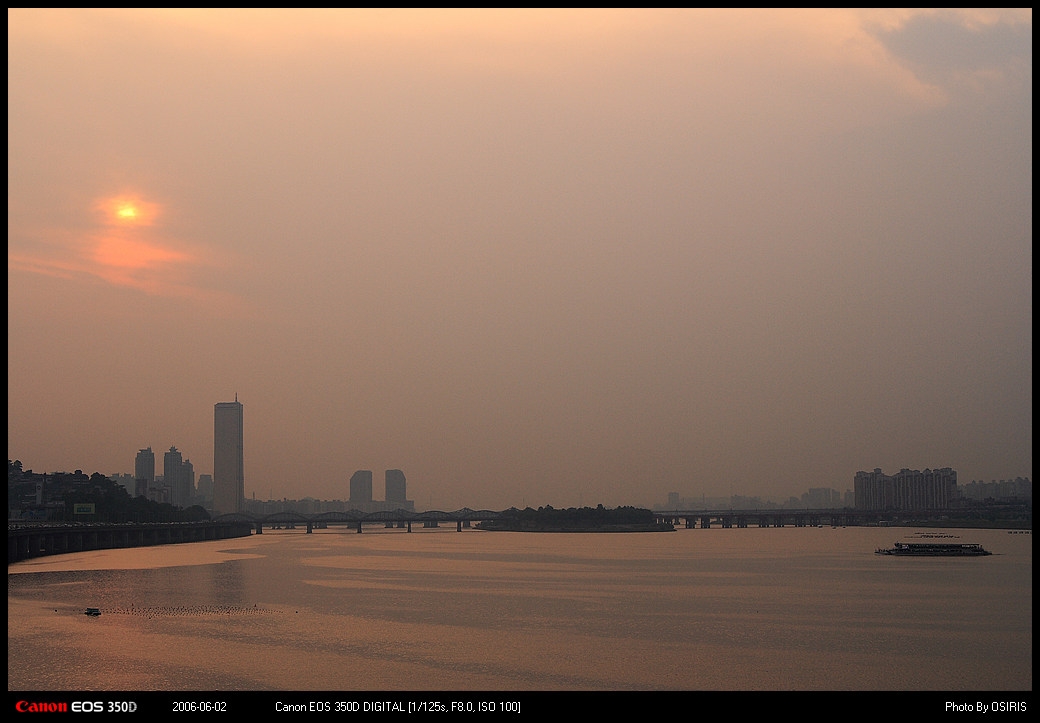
(401, 518)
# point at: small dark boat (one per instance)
(935, 549)
(93, 612)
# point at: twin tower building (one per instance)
(396, 495)
(229, 477)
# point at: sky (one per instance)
(529, 257)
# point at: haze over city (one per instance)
(529, 257)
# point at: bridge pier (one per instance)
(310, 527)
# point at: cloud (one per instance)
(123, 244)
(962, 50)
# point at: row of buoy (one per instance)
(189, 611)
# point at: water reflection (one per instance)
(770, 609)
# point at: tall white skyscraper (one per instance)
(228, 474)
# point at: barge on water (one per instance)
(935, 549)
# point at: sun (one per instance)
(128, 210)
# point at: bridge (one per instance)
(25, 541)
(833, 517)
(837, 517)
(48, 538)
(399, 518)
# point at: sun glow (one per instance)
(119, 252)
(125, 210)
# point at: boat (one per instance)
(935, 549)
(93, 612)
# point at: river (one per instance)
(756, 609)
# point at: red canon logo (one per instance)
(25, 706)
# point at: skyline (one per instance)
(555, 256)
(395, 485)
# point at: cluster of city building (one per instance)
(221, 492)
(1020, 488)
(175, 485)
(224, 491)
(815, 498)
(908, 489)
(932, 489)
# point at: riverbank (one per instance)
(138, 558)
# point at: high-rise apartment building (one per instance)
(205, 490)
(144, 471)
(909, 489)
(361, 489)
(932, 489)
(188, 483)
(173, 474)
(395, 486)
(228, 473)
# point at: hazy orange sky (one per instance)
(529, 257)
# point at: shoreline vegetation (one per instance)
(583, 519)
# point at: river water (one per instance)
(770, 609)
